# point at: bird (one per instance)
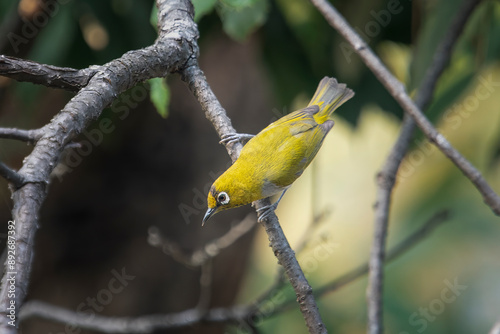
(273, 159)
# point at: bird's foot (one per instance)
(235, 137)
(265, 211)
(268, 209)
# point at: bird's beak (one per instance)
(208, 214)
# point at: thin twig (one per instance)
(386, 177)
(411, 241)
(236, 314)
(194, 77)
(11, 175)
(30, 136)
(207, 252)
(401, 248)
(286, 257)
(197, 83)
(46, 75)
(141, 324)
(206, 280)
(397, 90)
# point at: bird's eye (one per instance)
(223, 198)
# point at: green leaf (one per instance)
(153, 18)
(202, 7)
(160, 95)
(242, 17)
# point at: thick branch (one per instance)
(214, 112)
(46, 75)
(170, 52)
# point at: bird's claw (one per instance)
(265, 211)
(268, 209)
(235, 137)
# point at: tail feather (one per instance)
(329, 96)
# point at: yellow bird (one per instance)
(274, 158)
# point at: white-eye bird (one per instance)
(274, 158)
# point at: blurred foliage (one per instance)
(159, 95)
(462, 249)
(239, 17)
(296, 48)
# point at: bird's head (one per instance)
(225, 194)
(217, 201)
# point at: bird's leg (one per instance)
(234, 137)
(266, 210)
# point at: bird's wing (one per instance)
(296, 116)
(283, 150)
(296, 141)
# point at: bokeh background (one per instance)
(263, 59)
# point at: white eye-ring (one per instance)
(223, 198)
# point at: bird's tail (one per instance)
(329, 96)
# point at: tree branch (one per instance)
(175, 50)
(142, 324)
(214, 112)
(194, 77)
(46, 75)
(286, 257)
(301, 244)
(411, 241)
(207, 252)
(10, 175)
(30, 136)
(386, 178)
(401, 248)
(237, 314)
(169, 53)
(397, 90)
